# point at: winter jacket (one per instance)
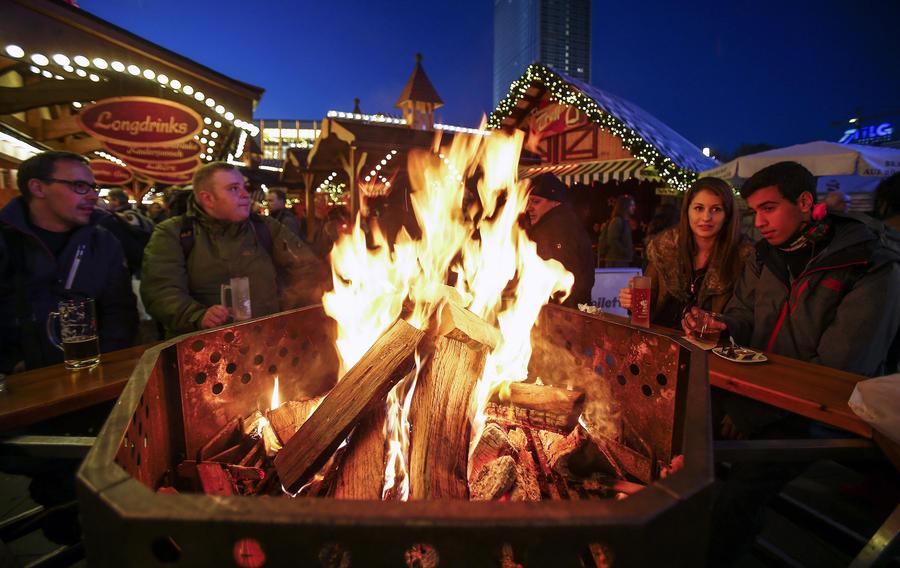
(178, 290)
(28, 294)
(289, 220)
(843, 311)
(618, 249)
(559, 235)
(669, 284)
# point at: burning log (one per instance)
(540, 407)
(496, 478)
(221, 441)
(493, 444)
(290, 416)
(215, 480)
(440, 406)
(361, 474)
(368, 382)
(527, 486)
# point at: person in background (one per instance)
(190, 256)
(821, 287)
(130, 226)
(560, 235)
(276, 200)
(837, 202)
(614, 243)
(887, 201)
(697, 262)
(176, 201)
(337, 222)
(52, 249)
(665, 216)
(157, 211)
(299, 210)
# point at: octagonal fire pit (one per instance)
(139, 511)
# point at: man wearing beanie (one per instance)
(559, 234)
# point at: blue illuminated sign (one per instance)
(868, 134)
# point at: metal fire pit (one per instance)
(185, 390)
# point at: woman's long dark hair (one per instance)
(623, 203)
(725, 253)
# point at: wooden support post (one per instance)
(367, 383)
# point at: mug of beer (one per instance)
(640, 301)
(78, 327)
(240, 298)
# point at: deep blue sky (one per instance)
(721, 73)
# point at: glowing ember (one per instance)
(499, 276)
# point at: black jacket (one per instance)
(32, 282)
(560, 235)
(843, 311)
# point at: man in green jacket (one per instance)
(191, 256)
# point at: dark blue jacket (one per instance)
(29, 293)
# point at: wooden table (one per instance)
(48, 392)
(813, 391)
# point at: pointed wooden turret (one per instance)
(419, 99)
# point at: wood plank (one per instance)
(41, 394)
(537, 406)
(813, 391)
(367, 383)
(361, 472)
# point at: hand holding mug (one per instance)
(625, 298)
(215, 316)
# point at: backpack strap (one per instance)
(262, 233)
(186, 236)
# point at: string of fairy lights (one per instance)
(93, 70)
(562, 92)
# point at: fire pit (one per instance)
(184, 392)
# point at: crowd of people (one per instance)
(60, 241)
(816, 275)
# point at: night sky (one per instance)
(721, 73)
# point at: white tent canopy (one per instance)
(851, 168)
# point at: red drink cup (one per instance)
(640, 301)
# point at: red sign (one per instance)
(176, 179)
(552, 118)
(140, 121)
(108, 173)
(165, 168)
(176, 153)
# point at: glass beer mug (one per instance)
(240, 298)
(78, 327)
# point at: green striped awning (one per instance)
(589, 172)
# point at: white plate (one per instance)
(743, 355)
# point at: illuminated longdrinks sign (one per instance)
(140, 121)
(137, 154)
(108, 173)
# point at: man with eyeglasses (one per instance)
(51, 249)
(191, 256)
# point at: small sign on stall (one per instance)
(607, 283)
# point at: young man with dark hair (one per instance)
(52, 249)
(821, 288)
(190, 256)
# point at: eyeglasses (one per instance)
(78, 186)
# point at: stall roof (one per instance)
(419, 87)
(645, 136)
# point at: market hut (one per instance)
(59, 63)
(590, 137)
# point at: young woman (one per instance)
(697, 262)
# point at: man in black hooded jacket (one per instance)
(560, 235)
(52, 249)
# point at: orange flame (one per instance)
(499, 275)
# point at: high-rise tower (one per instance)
(554, 32)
